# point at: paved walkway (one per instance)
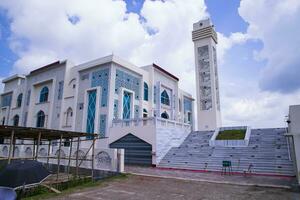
(215, 177)
(153, 188)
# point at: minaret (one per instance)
(207, 85)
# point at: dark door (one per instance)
(137, 151)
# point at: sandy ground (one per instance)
(144, 188)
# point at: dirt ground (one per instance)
(143, 188)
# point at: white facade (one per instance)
(95, 97)
(208, 99)
(294, 132)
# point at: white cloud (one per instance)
(244, 103)
(226, 43)
(42, 33)
(276, 24)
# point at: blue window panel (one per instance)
(154, 94)
(146, 92)
(187, 103)
(60, 89)
(100, 78)
(44, 94)
(28, 97)
(102, 125)
(136, 111)
(116, 104)
(127, 81)
(6, 100)
(165, 98)
(126, 105)
(40, 121)
(91, 111)
(19, 100)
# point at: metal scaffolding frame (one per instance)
(50, 136)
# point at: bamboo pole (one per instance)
(78, 140)
(93, 156)
(13, 150)
(48, 153)
(33, 152)
(85, 155)
(38, 145)
(58, 159)
(70, 154)
(53, 157)
(10, 145)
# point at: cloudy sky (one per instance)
(258, 50)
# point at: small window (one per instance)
(16, 120)
(28, 97)
(69, 115)
(165, 98)
(145, 113)
(40, 122)
(3, 121)
(165, 115)
(19, 100)
(44, 94)
(60, 90)
(146, 92)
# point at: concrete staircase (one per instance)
(267, 152)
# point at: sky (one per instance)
(258, 45)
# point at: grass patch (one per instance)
(72, 186)
(232, 134)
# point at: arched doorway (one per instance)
(164, 115)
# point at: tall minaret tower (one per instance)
(207, 84)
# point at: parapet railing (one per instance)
(150, 121)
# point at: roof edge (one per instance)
(165, 72)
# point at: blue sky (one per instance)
(7, 57)
(258, 65)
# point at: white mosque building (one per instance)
(121, 102)
(142, 110)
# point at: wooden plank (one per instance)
(51, 188)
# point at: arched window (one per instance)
(164, 115)
(44, 94)
(146, 92)
(40, 121)
(145, 113)
(19, 100)
(69, 115)
(165, 98)
(16, 120)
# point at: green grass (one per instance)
(232, 134)
(74, 186)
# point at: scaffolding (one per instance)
(37, 136)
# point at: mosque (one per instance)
(143, 110)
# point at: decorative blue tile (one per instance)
(136, 111)
(128, 81)
(116, 104)
(102, 125)
(100, 78)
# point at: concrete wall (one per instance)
(294, 131)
